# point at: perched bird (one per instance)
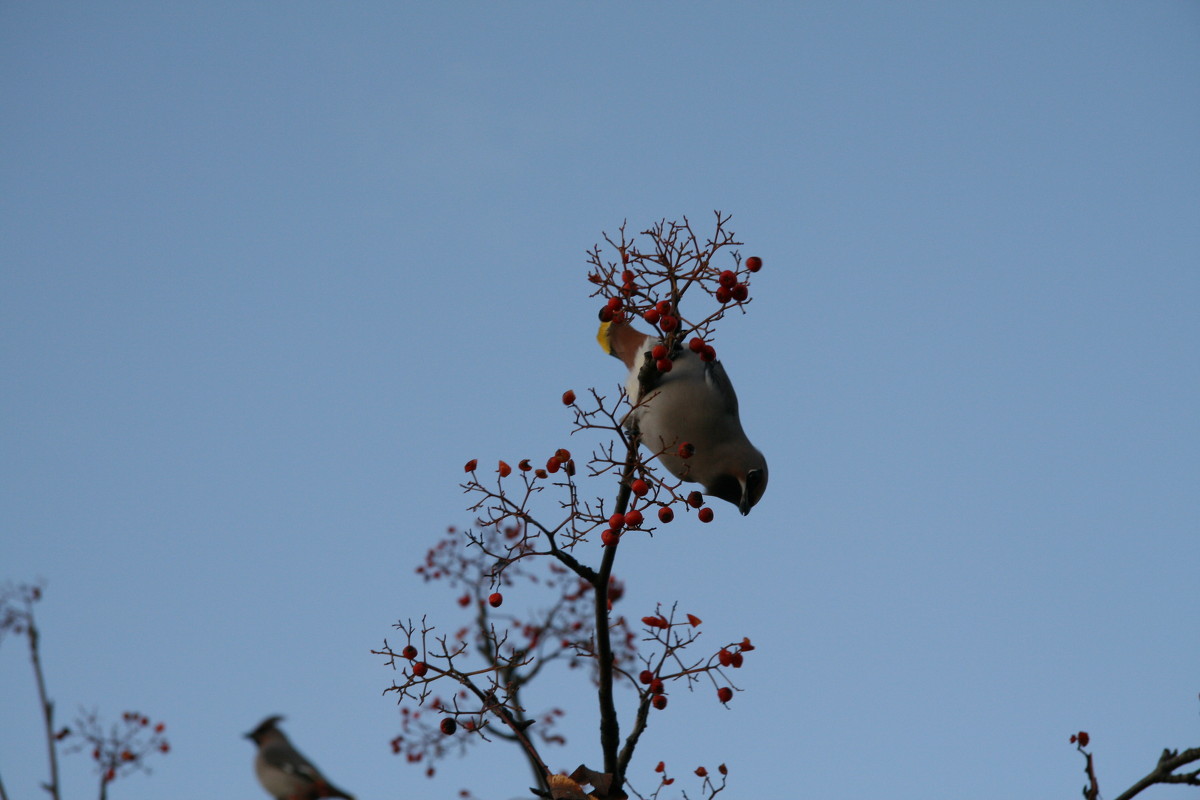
(283, 771)
(694, 403)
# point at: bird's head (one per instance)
(743, 489)
(264, 729)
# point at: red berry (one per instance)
(471, 465)
(626, 275)
(610, 537)
(724, 694)
(737, 660)
(668, 323)
(449, 726)
(616, 521)
(568, 398)
(651, 316)
(705, 514)
(419, 668)
(696, 344)
(659, 352)
(722, 294)
(646, 676)
(1084, 738)
(495, 599)
(633, 518)
(656, 686)
(661, 766)
(695, 499)
(725, 657)
(659, 701)
(562, 454)
(740, 292)
(524, 465)
(702, 772)
(663, 306)
(728, 279)
(665, 514)
(409, 652)
(504, 469)
(614, 304)
(754, 263)
(664, 364)
(639, 487)
(709, 354)
(686, 450)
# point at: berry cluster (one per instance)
(672, 637)
(120, 748)
(651, 282)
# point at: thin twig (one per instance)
(47, 709)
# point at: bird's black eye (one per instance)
(756, 484)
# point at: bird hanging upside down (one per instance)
(283, 771)
(694, 403)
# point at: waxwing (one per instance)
(694, 403)
(283, 771)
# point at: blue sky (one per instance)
(272, 273)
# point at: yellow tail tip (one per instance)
(603, 338)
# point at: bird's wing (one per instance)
(283, 756)
(716, 377)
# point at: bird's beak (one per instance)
(744, 505)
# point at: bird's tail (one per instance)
(622, 341)
(603, 338)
